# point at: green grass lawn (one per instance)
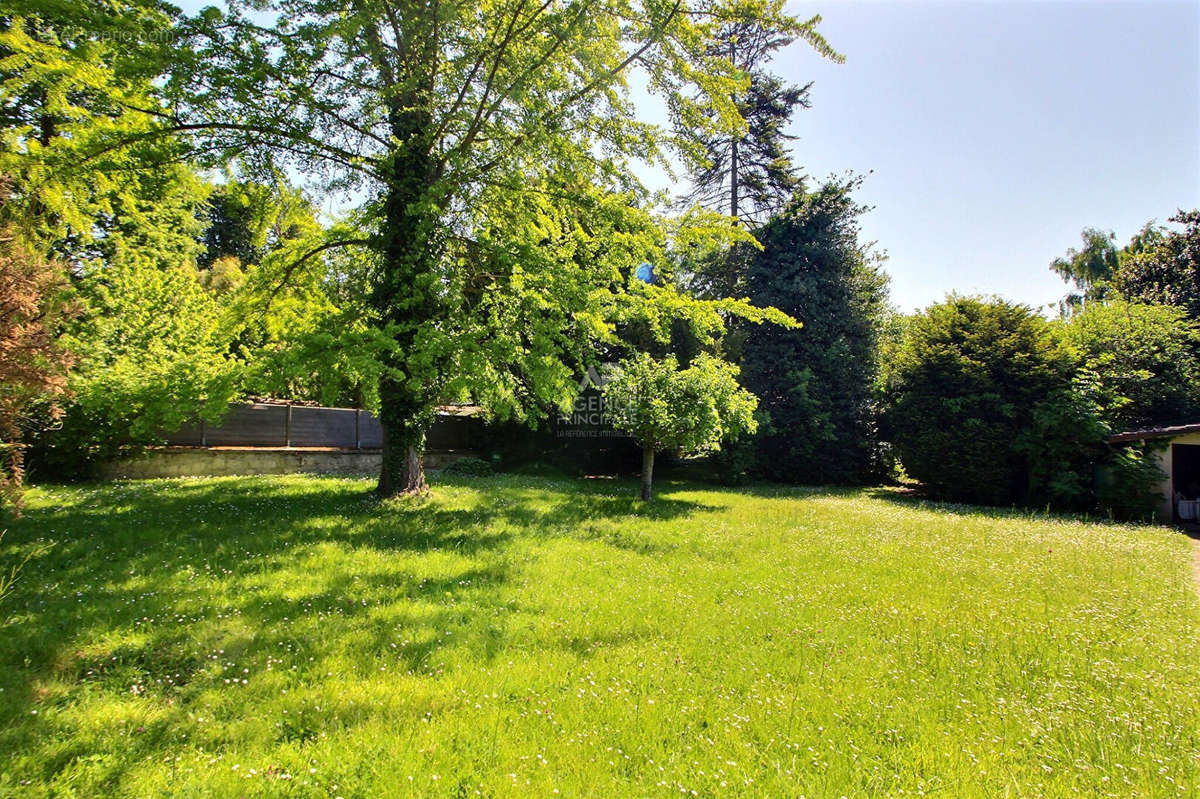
(526, 636)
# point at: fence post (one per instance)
(203, 435)
(287, 427)
(357, 430)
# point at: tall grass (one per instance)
(525, 636)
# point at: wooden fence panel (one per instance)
(268, 425)
(370, 431)
(322, 427)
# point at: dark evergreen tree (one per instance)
(246, 220)
(749, 174)
(815, 384)
(231, 227)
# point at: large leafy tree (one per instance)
(1089, 270)
(492, 142)
(72, 76)
(816, 384)
(125, 221)
(1162, 265)
(1159, 266)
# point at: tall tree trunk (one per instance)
(647, 470)
(731, 272)
(733, 146)
(733, 180)
(405, 294)
(402, 471)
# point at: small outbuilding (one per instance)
(1177, 449)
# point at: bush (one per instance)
(469, 467)
(1128, 483)
(151, 355)
(733, 462)
(1062, 446)
(1143, 359)
(965, 388)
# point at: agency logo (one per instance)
(595, 377)
(588, 416)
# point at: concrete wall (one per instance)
(1165, 489)
(217, 462)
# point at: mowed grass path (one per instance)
(518, 636)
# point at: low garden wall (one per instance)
(228, 461)
(282, 438)
(278, 438)
(279, 424)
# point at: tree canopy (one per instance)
(1159, 266)
(816, 384)
(1162, 265)
(1089, 269)
(748, 172)
(685, 410)
(492, 143)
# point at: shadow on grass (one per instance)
(145, 577)
(914, 498)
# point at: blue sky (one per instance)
(995, 131)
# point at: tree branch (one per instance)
(294, 265)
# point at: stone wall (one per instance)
(225, 461)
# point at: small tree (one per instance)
(664, 407)
(33, 367)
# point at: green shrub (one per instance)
(1128, 483)
(469, 467)
(1062, 445)
(965, 388)
(1143, 359)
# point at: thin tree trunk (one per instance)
(647, 470)
(733, 149)
(733, 180)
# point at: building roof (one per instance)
(1154, 432)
